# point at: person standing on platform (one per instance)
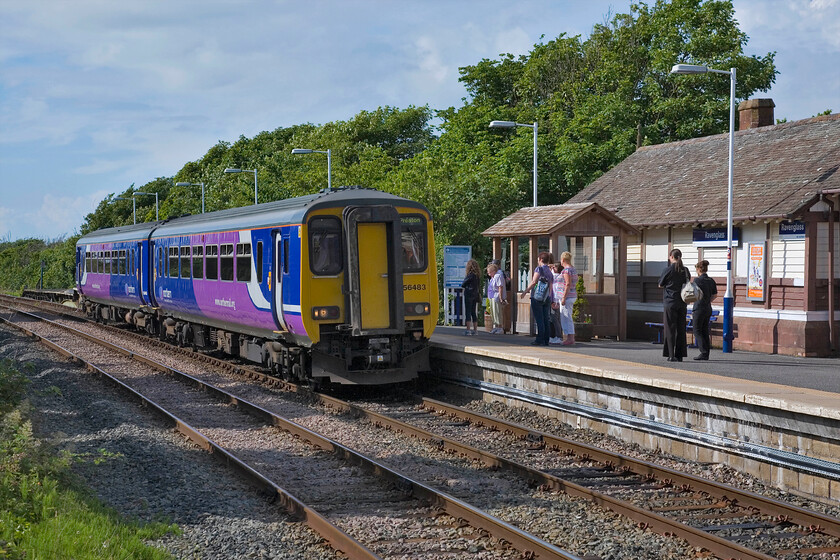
(568, 295)
(541, 307)
(702, 310)
(472, 290)
(672, 280)
(556, 310)
(497, 295)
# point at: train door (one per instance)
(281, 270)
(374, 270)
(80, 265)
(139, 274)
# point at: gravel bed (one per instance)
(149, 472)
(567, 522)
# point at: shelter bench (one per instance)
(689, 327)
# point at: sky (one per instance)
(97, 95)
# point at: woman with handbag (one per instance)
(672, 280)
(542, 298)
(702, 310)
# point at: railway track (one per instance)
(721, 519)
(362, 507)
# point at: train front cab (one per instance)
(369, 305)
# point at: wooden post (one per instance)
(497, 248)
(513, 300)
(622, 284)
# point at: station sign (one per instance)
(714, 237)
(455, 259)
(789, 231)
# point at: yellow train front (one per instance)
(368, 293)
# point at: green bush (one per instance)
(44, 514)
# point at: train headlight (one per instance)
(325, 313)
(417, 308)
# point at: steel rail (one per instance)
(794, 514)
(530, 545)
(338, 539)
(658, 523)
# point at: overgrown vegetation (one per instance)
(44, 513)
(596, 99)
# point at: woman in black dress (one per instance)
(672, 280)
(702, 311)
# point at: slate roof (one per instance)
(779, 170)
(544, 220)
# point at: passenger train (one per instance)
(335, 287)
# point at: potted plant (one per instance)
(580, 314)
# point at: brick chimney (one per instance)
(754, 113)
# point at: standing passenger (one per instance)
(540, 309)
(497, 295)
(556, 310)
(568, 295)
(702, 311)
(672, 279)
(471, 286)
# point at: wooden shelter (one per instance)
(597, 239)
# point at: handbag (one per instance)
(540, 289)
(691, 293)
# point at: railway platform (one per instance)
(775, 417)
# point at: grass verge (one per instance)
(45, 513)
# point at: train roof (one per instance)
(281, 212)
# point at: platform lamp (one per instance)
(512, 124)
(729, 297)
(254, 171)
(195, 185)
(157, 216)
(133, 205)
(301, 151)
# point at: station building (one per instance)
(786, 232)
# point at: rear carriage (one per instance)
(339, 286)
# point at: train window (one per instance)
(159, 268)
(243, 262)
(122, 263)
(259, 261)
(413, 234)
(325, 256)
(87, 262)
(198, 261)
(173, 262)
(185, 261)
(212, 262)
(226, 261)
(285, 256)
(107, 259)
(101, 262)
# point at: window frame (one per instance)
(334, 266)
(423, 228)
(211, 253)
(226, 255)
(243, 257)
(197, 258)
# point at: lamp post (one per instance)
(512, 124)
(133, 205)
(254, 171)
(729, 297)
(195, 185)
(157, 218)
(300, 151)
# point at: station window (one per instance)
(325, 256)
(212, 253)
(185, 261)
(413, 236)
(198, 261)
(243, 262)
